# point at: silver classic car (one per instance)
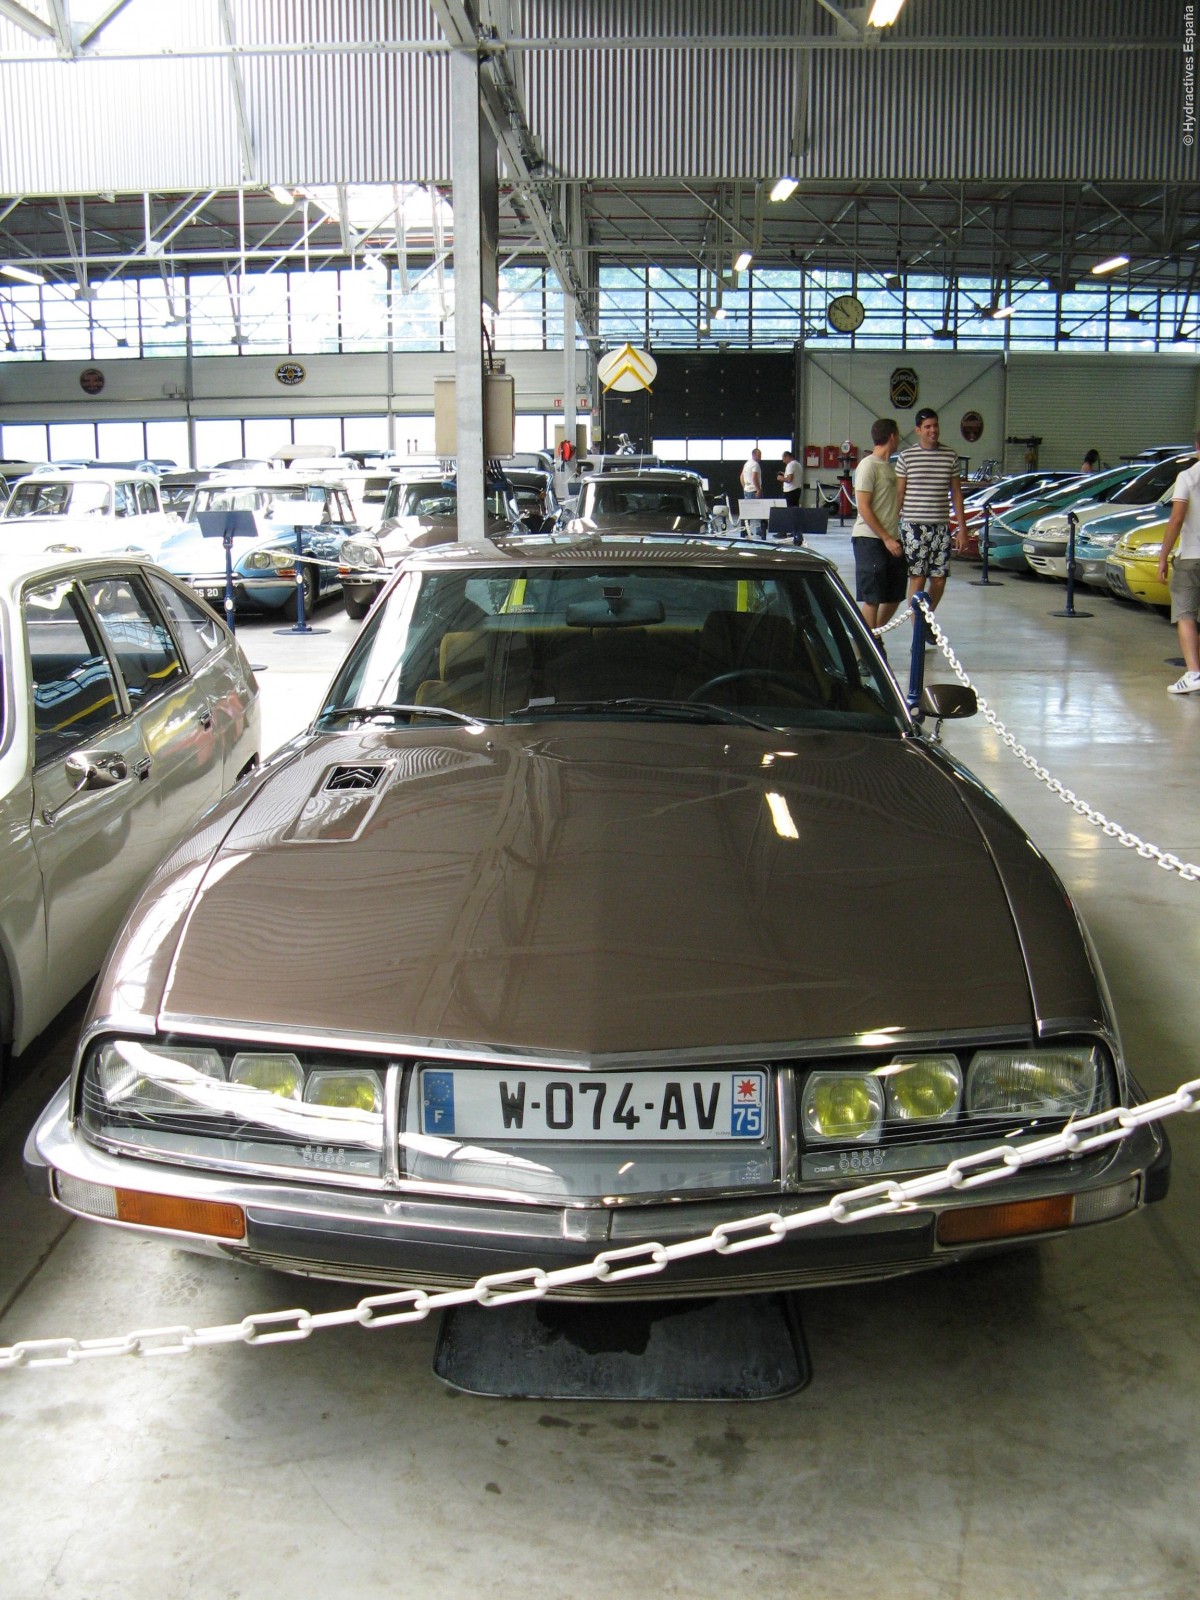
(126, 709)
(585, 914)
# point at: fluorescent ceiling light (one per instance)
(997, 312)
(1111, 265)
(719, 313)
(22, 274)
(743, 261)
(884, 13)
(784, 189)
(284, 196)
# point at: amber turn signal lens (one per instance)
(972, 1224)
(213, 1217)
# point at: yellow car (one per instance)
(1132, 568)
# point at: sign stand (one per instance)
(228, 526)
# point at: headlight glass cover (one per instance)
(261, 1109)
(1033, 1083)
(268, 560)
(360, 553)
(910, 1099)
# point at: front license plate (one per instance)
(207, 593)
(643, 1107)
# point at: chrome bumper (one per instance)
(409, 1239)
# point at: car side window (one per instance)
(139, 640)
(147, 499)
(74, 691)
(197, 629)
(124, 503)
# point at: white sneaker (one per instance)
(1188, 684)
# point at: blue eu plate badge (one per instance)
(437, 1102)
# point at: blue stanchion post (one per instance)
(227, 541)
(916, 665)
(983, 581)
(1070, 611)
(301, 608)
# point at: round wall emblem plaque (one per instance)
(91, 380)
(905, 388)
(971, 426)
(289, 373)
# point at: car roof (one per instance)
(88, 475)
(19, 566)
(666, 549)
(269, 478)
(651, 475)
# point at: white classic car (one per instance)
(86, 509)
(126, 710)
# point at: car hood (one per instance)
(1128, 519)
(396, 537)
(599, 888)
(91, 535)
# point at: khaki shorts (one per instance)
(1185, 590)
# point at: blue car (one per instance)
(264, 563)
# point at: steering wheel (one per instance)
(773, 673)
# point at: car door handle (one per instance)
(205, 720)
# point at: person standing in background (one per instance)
(752, 490)
(929, 486)
(789, 479)
(880, 570)
(1184, 525)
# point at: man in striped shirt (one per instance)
(927, 473)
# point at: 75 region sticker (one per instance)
(746, 1111)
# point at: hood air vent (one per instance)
(354, 778)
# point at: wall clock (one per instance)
(846, 313)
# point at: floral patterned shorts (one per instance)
(926, 548)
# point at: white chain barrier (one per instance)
(1189, 871)
(1080, 1137)
(885, 1198)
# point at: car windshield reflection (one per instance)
(774, 647)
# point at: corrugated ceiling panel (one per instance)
(680, 114)
(656, 19)
(991, 115)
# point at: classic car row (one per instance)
(1120, 516)
(558, 949)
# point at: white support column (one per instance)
(569, 380)
(465, 155)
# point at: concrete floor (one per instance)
(1024, 1428)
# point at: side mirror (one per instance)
(88, 770)
(946, 701)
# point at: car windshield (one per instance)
(438, 499)
(262, 498)
(663, 502)
(773, 646)
(1150, 485)
(32, 499)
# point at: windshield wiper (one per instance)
(687, 710)
(395, 709)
